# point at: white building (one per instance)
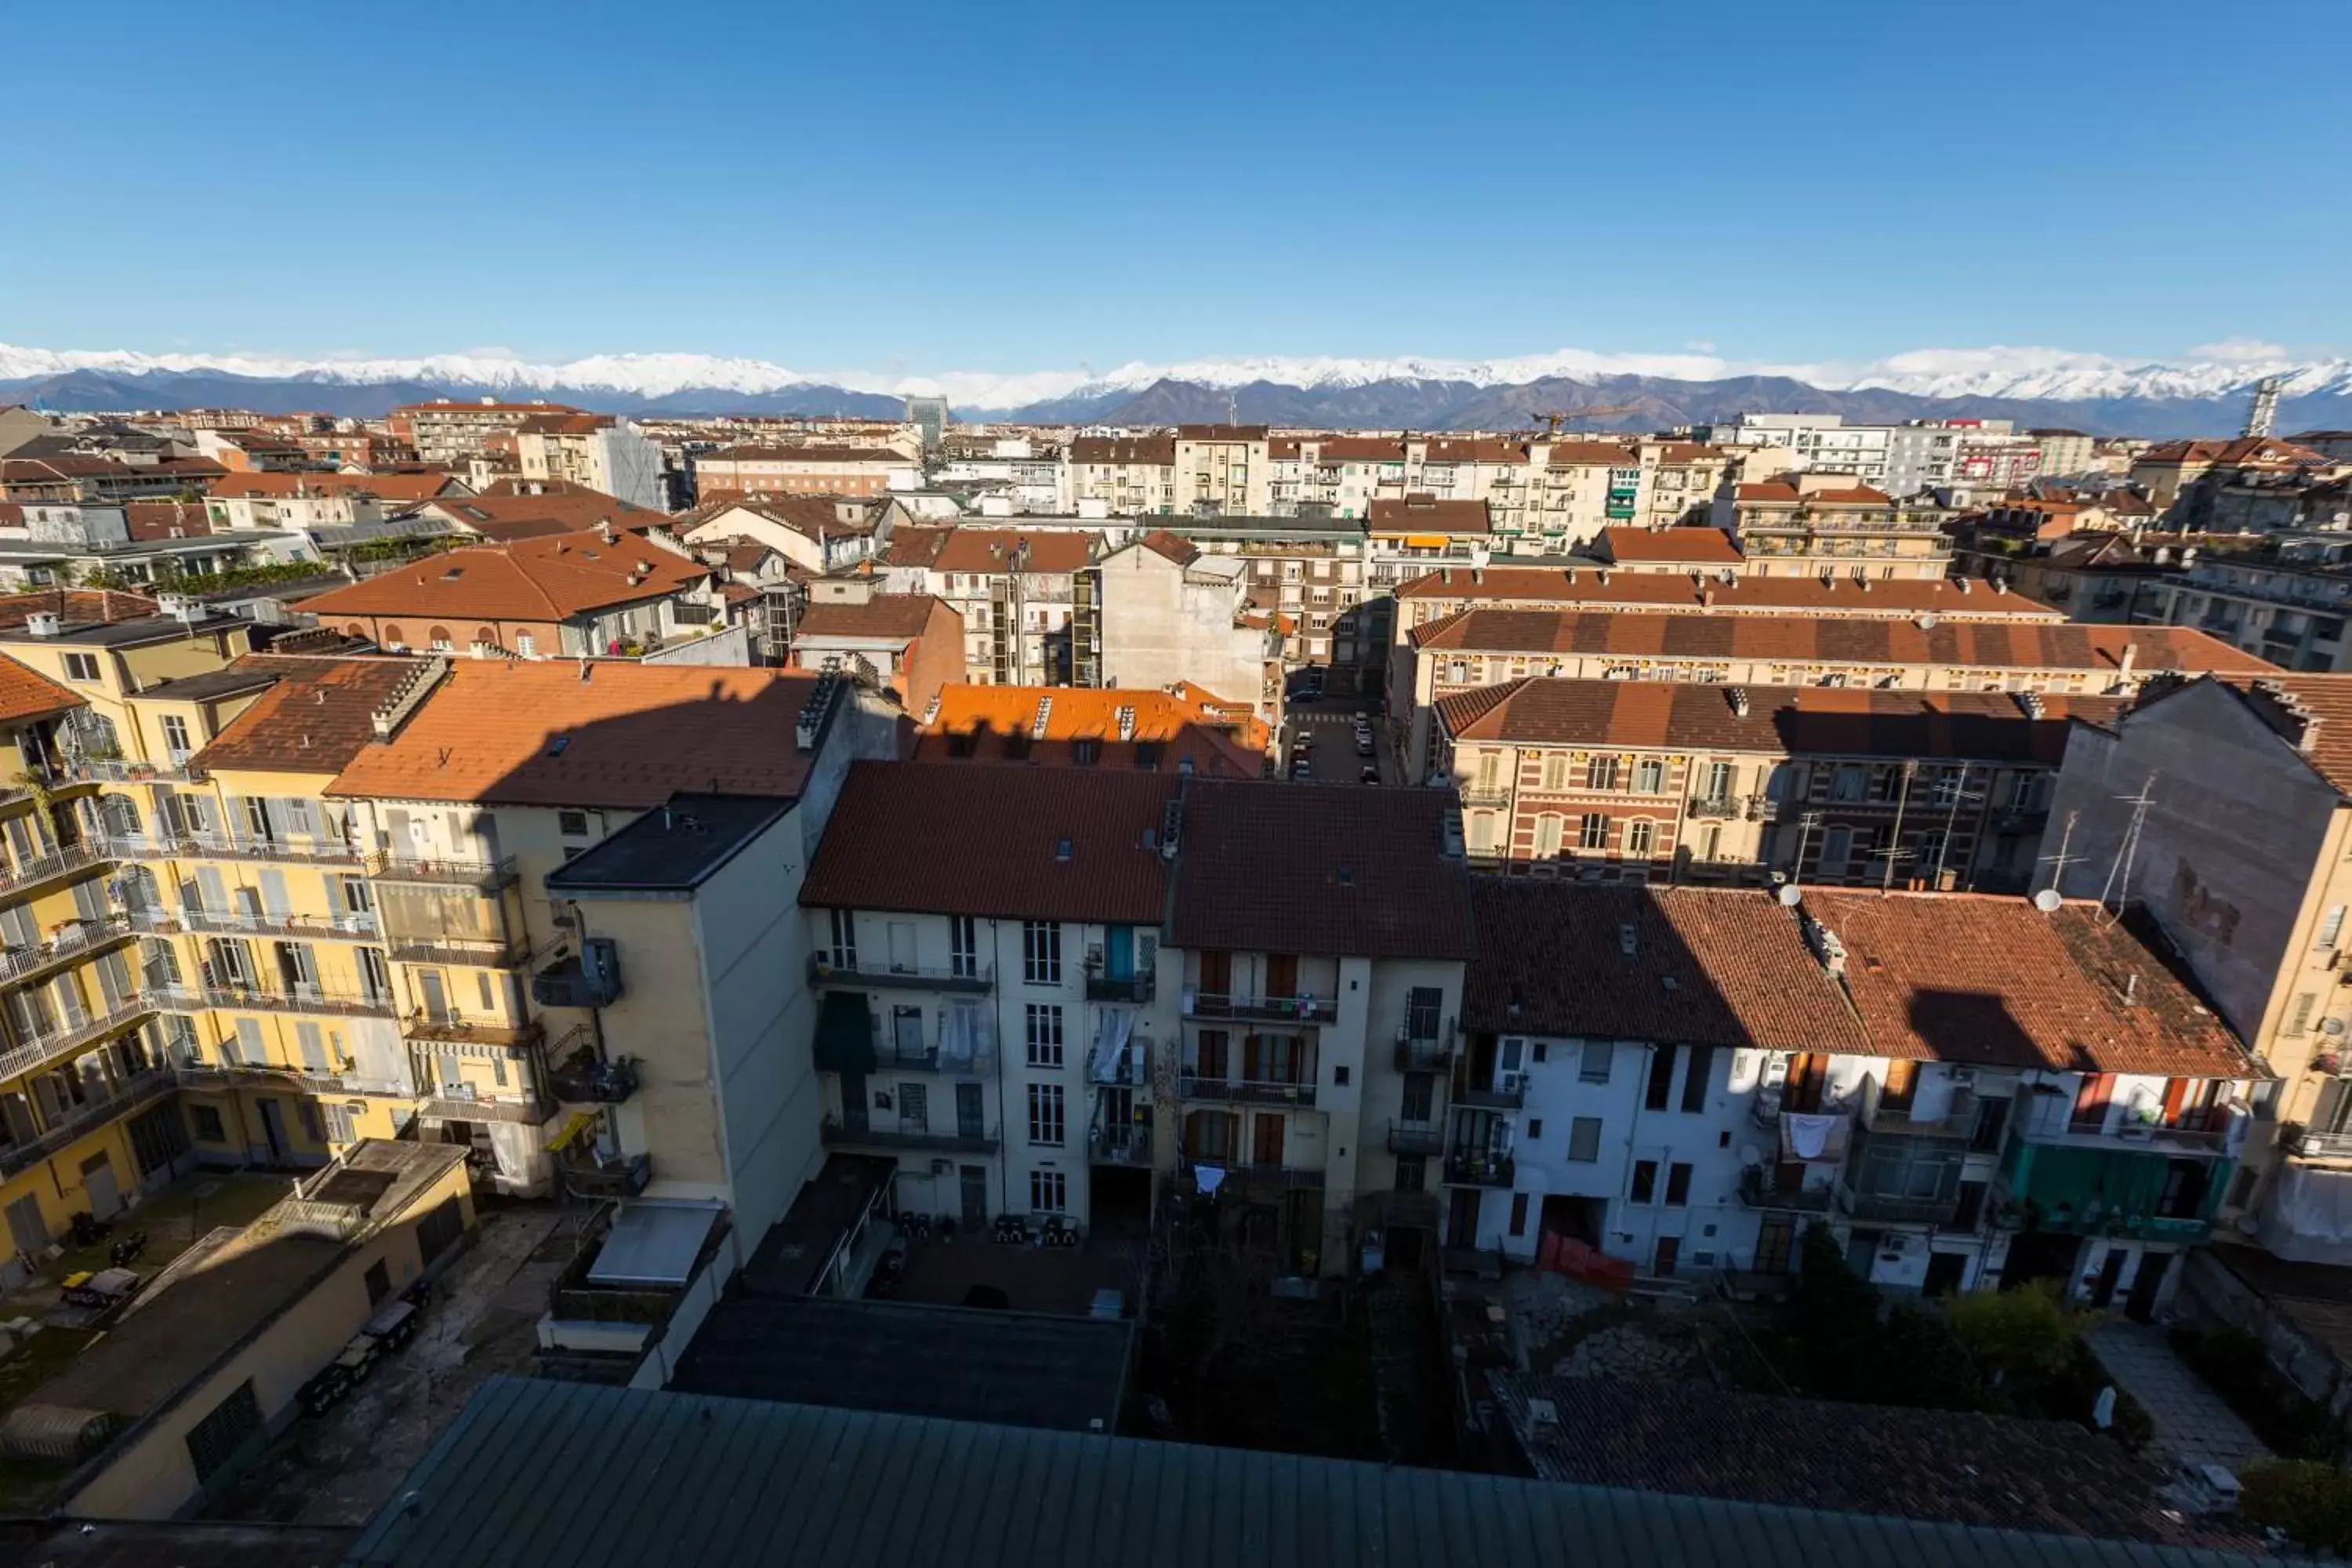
(1170, 614)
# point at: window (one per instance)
(1641, 836)
(963, 946)
(1548, 832)
(526, 644)
(1584, 1140)
(81, 667)
(572, 824)
(1044, 1035)
(1662, 1078)
(209, 1129)
(175, 738)
(2331, 926)
(1678, 1175)
(1649, 776)
(2298, 1015)
(1085, 752)
(1694, 1084)
(1412, 1174)
(1482, 833)
(1519, 1213)
(1717, 786)
(339, 1123)
(1645, 1181)
(220, 1436)
(1040, 953)
(844, 939)
(1594, 1061)
(1049, 1192)
(1600, 772)
(1046, 1114)
(1555, 773)
(1593, 833)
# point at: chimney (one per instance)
(2131, 656)
(1706, 599)
(1964, 585)
(1739, 697)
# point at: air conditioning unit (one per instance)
(592, 980)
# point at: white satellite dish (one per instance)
(1750, 1157)
(2047, 901)
(1790, 895)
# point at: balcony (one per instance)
(455, 1028)
(231, 846)
(453, 871)
(2311, 1143)
(588, 1082)
(827, 969)
(460, 952)
(1222, 1004)
(301, 928)
(1120, 1146)
(1423, 1138)
(1759, 1190)
(1261, 1175)
(115, 770)
(1247, 1091)
(1717, 805)
(28, 874)
(836, 1134)
(1896, 1209)
(136, 1093)
(622, 1176)
(73, 941)
(2145, 1137)
(1419, 1050)
(1479, 1169)
(203, 1075)
(1136, 989)
(1509, 1092)
(1957, 1118)
(2104, 1187)
(312, 999)
(888, 1058)
(43, 1049)
(1485, 794)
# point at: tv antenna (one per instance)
(2119, 881)
(2061, 861)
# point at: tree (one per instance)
(2309, 1500)
(2025, 1333)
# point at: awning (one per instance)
(1427, 540)
(578, 1121)
(844, 1033)
(654, 1243)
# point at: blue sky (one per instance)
(911, 186)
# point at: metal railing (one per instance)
(85, 936)
(314, 928)
(827, 967)
(1268, 1009)
(1480, 1170)
(55, 863)
(1135, 988)
(43, 1049)
(310, 851)
(464, 871)
(466, 953)
(135, 1093)
(1247, 1091)
(2313, 1144)
(1423, 1052)
(835, 1133)
(235, 1073)
(263, 999)
(1415, 1137)
(457, 1028)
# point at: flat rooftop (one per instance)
(673, 848)
(793, 1255)
(229, 680)
(129, 633)
(963, 1363)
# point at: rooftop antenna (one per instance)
(2061, 861)
(2118, 882)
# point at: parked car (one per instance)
(1369, 774)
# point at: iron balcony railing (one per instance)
(1478, 1168)
(81, 937)
(309, 851)
(1135, 988)
(1423, 1049)
(1247, 1091)
(135, 1093)
(1265, 1009)
(836, 1133)
(43, 1049)
(463, 871)
(310, 927)
(55, 863)
(1504, 1094)
(1423, 1138)
(314, 999)
(2313, 1144)
(846, 969)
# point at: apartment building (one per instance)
(1449, 590)
(1026, 595)
(2285, 600)
(1484, 648)
(1334, 476)
(509, 510)
(815, 533)
(810, 470)
(599, 451)
(1813, 523)
(992, 1010)
(45, 543)
(1222, 470)
(1964, 1090)
(1640, 780)
(337, 505)
(2066, 453)
(911, 643)
(446, 431)
(1127, 476)
(2241, 854)
(1185, 729)
(2182, 479)
(81, 477)
(1821, 443)
(1169, 612)
(1699, 550)
(554, 596)
(1311, 575)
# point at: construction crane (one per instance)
(1557, 416)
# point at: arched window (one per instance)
(440, 639)
(356, 630)
(393, 638)
(488, 635)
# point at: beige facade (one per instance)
(1223, 470)
(1813, 524)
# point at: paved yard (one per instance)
(2191, 1420)
(339, 1470)
(1033, 1278)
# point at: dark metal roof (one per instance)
(561, 1474)
(671, 849)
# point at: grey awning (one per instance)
(655, 1242)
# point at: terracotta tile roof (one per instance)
(1473, 449)
(987, 550)
(27, 693)
(950, 838)
(1778, 491)
(1689, 452)
(2237, 451)
(999, 723)
(1705, 546)
(1344, 869)
(2314, 714)
(549, 579)
(152, 519)
(1994, 982)
(1221, 432)
(1892, 599)
(1656, 715)
(564, 425)
(1159, 541)
(1152, 452)
(893, 616)
(629, 736)
(464, 406)
(402, 488)
(503, 517)
(829, 456)
(1696, 1440)
(316, 718)
(911, 546)
(815, 518)
(1359, 449)
(1577, 454)
(1282, 446)
(2028, 645)
(75, 607)
(1708, 967)
(1427, 514)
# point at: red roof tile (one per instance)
(27, 693)
(1427, 514)
(1701, 546)
(1898, 598)
(545, 579)
(987, 550)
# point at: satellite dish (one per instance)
(1750, 1157)
(2047, 901)
(1790, 895)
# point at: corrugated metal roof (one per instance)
(655, 1241)
(572, 1476)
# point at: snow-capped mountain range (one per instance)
(1415, 390)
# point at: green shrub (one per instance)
(2026, 1332)
(2309, 1500)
